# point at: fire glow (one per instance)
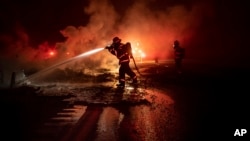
(51, 53)
(137, 52)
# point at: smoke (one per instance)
(154, 30)
(140, 22)
(97, 33)
(157, 29)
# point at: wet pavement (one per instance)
(201, 104)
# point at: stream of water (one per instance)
(91, 52)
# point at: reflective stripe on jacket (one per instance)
(121, 53)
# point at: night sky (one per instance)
(216, 30)
(42, 20)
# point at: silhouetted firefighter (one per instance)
(179, 54)
(124, 53)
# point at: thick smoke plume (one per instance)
(154, 30)
(140, 22)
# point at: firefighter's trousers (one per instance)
(125, 69)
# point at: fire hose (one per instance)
(136, 66)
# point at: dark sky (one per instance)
(42, 20)
(223, 27)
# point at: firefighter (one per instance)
(179, 54)
(123, 52)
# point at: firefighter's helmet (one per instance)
(176, 43)
(116, 40)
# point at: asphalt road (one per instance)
(203, 103)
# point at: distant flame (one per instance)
(51, 53)
(137, 51)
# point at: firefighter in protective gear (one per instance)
(124, 53)
(179, 54)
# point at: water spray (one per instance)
(62, 63)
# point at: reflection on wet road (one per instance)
(99, 111)
(169, 107)
(152, 118)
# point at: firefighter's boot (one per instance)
(134, 81)
(121, 85)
